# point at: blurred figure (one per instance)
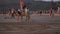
(51, 12)
(12, 12)
(58, 10)
(19, 11)
(21, 4)
(21, 8)
(27, 13)
(40, 12)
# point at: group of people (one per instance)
(20, 10)
(50, 12)
(20, 13)
(23, 10)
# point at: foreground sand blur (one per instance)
(38, 25)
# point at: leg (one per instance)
(27, 18)
(17, 18)
(21, 17)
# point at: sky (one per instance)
(51, 0)
(47, 0)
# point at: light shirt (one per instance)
(19, 10)
(26, 11)
(12, 11)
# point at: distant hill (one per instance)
(33, 5)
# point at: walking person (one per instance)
(27, 13)
(40, 13)
(12, 12)
(51, 12)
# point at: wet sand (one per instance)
(37, 25)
